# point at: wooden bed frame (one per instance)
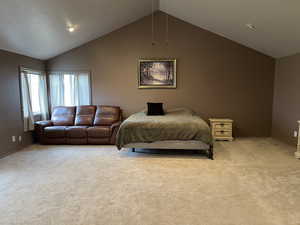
(188, 145)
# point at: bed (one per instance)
(177, 129)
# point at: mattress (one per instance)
(176, 125)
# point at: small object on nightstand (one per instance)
(221, 129)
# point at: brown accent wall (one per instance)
(216, 77)
(10, 108)
(286, 110)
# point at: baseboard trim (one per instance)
(5, 154)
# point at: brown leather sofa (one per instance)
(80, 125)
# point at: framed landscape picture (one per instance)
(157, 73)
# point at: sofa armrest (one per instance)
(39, 128)
(44, 123)
(115, 125)
(114, 130)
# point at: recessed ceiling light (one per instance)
(71, 29)
(250, 26)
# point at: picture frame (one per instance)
(157, 73)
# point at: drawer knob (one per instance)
(222, 124)
(222, 131)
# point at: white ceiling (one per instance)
(277, 21)
(37, 28)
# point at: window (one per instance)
(34, 86)
(67, 89)
(70, 88)
(34, 97)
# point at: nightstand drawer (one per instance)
(223, 133)
(223, 126)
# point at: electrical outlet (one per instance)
(295, 133)
(20, 138)
(13, 138)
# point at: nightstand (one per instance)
(221, 129)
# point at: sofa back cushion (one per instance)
(63, 115)
(85, 115)
(107, 115)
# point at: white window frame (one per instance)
(32, 72)
(44, 111)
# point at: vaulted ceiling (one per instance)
(38, 28)
(277, 30)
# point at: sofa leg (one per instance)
(133, 149)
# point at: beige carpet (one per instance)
(251, 182)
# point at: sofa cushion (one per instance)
(76, 132)
(99, 131)
(106, 115)
(63, 116)
(55, 132)
(85, 115)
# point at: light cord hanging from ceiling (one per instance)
(152, 21)
(167, 28)
(152, 27)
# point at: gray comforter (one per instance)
(177, 124)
